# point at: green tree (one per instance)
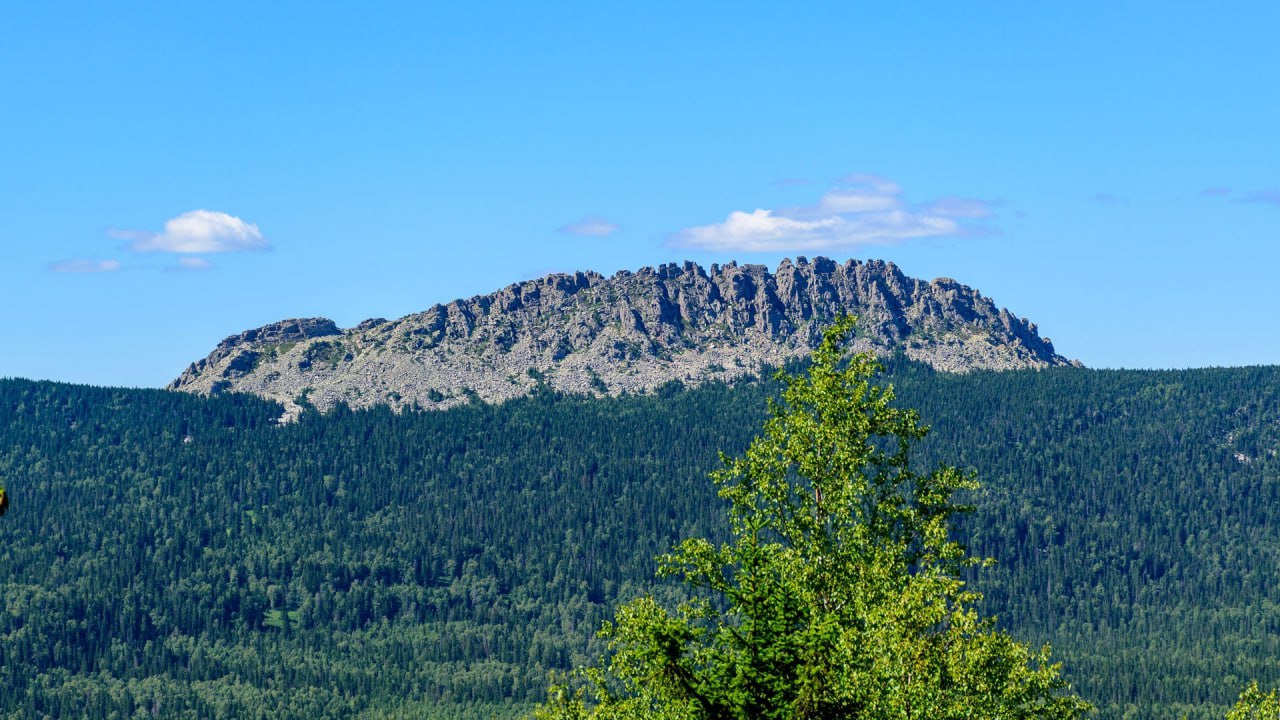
(1253, 705)
(840, 592)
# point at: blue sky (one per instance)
(173, 173)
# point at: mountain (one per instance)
(633, 332)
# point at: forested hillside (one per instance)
(173, 555)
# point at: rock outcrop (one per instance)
(633, 332)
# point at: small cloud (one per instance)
(762, 231)
(193, 263)
(590, 226)
(862, 209)
(1269, 196)
(198, 231)
(855, 199)
(1108, 199)
(84, 265)
(1215, 192)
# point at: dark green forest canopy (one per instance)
(188, 556)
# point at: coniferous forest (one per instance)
(166, 555)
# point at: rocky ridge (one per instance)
(587, 333)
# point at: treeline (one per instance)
(174, 556)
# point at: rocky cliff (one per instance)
(632, 332)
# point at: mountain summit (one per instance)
(587, 333)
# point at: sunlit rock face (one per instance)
(635, 331)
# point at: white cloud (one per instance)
(590, 226)
(861, 209)
(198, 231)
(838, 201)
(84, 265)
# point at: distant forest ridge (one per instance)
(189, 557)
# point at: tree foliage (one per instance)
(1254, 705)
(839, 594)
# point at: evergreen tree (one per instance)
(839, 594)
